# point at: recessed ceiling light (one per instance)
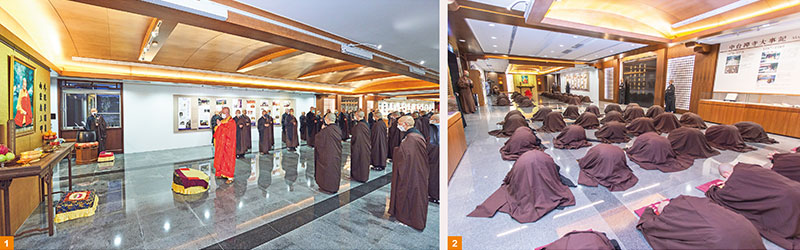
(422, 62)
(462, 40)
(491, 25)
(633, 45)
(560, 45)
(574, 36)
(380, 46)
(494, 45)
(494, 37)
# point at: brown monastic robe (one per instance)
(654, 111)
(593, 109)
(692, 120)
(587, 120)
(652, 151)
(509, 114)
(612, 132)
(612, 107)
(465, 95)
(574, 100)
(572, 137)
(244, 140)
(553, 122)
(395, 136)
(787, 164)
(360, 151)
(266, 134)
(753, 132)
(422, 124)
(311, 128)
(606, 165)
(632, 113)
(769, 200)
(512, 123)
(666, 122)
(581, 240)
(612, 116)
(433, 163)
(289, 136)
(408, 200)
(529, 191)
(640, 126)
(726, 137)
(697, 223)
(502, 100)
(523, 140)
(541, 113)
(571, 112)
(525, 102)
(379, 142)
(328, 158)
(691, 142)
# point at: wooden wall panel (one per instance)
(776, 120)
(661, 77)
(477, 86)
(456, 143)
(705, 69)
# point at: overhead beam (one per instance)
(395, 85)
(530, 59)
(538, 10)
(155, 37)
(538, 63)
(328, 68)
(354, 77)
(271, 56)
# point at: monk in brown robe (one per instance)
(266, 133)
(395, 135)
(529, 191)
(571, 112)
(652, 151)
(606, 165)
(666, 122)
(408, 201)
(632, 112)
(687, 222)
(512, 123)
(769, 200)
(612, 132)
(640, 126)
(612, 107)
(552, 123)
(587, 120)
(692, 142)
(243, 140)
(379, 141)
(509, 114)
(523, 140)
(525, 102)
(433, 160)
(572, 137)
(225, 146)
(328, 156)
(574, 101)
(612, 116)
(311, 127)
(541, 113)
(593, 109)
(465, 93)
(502, 100)
(421, 123)
(360, 149)
(753, 132)
(692, 120)
(289, 136)
(654, 111)
(582, 240)
(787, 164)
(726, 137)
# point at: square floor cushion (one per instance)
(77, 204)
(189, 181)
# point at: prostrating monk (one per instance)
(574, 101)
(502, 100)
(512, 123)
(408, 201)
(360, 149)
(640, 126)
(266, 133)
(225, 146)
(612, 132)
(612, 116)
(289, 135)
(593, 109)
(529, 191)
(553, 122)
(612, 107)
(692, 120)
(465, 93)
(585, 98)
(632, 112)
(652, 151)
(587, 120)
(541, 113)
(433, 160)
(572, 137)
(753, 132)
(344, 123)
(787, 164)
(243, 139)
(379, 141)
(666, 122)
(571, 112)
(687, 222)
(583, 240)
(726, 137)
(769, 200)
(328, 156)
(509, 114)
(525, 102)
(311, 127)
(395, 135)
(523, 140)
(654, 111)
(691, 142)
(606, 165)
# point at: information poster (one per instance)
(184, 113)
(250, 110)
(221, 103)
(204, 112)
(768, 67)
(765, 64)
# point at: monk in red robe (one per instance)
(408, 200)
(24, 115)
(225, 146)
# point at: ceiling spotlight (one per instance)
(380, 46)
(612, 51)
(491, 25)
(560, 45)
(462, 40)
(494, 45)
(422, 62)
(494, 37)
(574, 36)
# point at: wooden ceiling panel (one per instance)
(217, 49)
(88, 27)
(182, 44)
(293, 67)
(242, 56)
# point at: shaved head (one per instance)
(407, 121)
(330, 118)
(434, 119)
(360, 114)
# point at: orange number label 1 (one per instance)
(454, 243)
(7, 242)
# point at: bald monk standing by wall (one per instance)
(328, 155)
(380, 143)
(408, 201)
(360, 149)
(465, 93)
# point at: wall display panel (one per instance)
(609, 83)
(184, 113)
(349, 103)
(765, 64)
(404, 106)
(200, 119)
(681, 70)
(204, 112)
(577, 80)
(639, 77)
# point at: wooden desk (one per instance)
(456, 143)
(774, 119)
(44, 170)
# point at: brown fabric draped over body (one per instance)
(666, 122)
(612, 107)
(541, 114)
(509, 114)
(582, 240)
(244, 141)
(523, 140)
(586, 99)
(571, 112)
(769, 200)
(553, 122)
(395, 136)
(512, 123)
(529, 191)
(572, 137)
(587, 120)
(691, 142)
(379, 141)
(574, 101)
(632, 113)
(652, 151)
(465, 95)
(753, 132)
(612, 132)
(640, 126)
(502, 100)
(787, 164)
(605, 164)
(422, 124)
(408, 200)
(612, 116)
(360, 151)
(692, 120)
(594, 109)
(525, 102)
(654, 111)
(328, 158)
(726, 137)
(697, 223)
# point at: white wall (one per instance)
(594, 83)
(148, 113)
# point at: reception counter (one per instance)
(456, 142)
(774, 119)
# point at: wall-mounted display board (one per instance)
(681, 70)
(405, 106)
(639, 76)
(524, 80)
(765, 64)
(349, 103)
(577, 80)
(609, 83)
(193, 113)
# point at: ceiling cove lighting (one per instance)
(774, 8)
(714, 12)
(203, 8)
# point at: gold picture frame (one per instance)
(21, 81)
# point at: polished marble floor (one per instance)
(273, 203)
(481, 172)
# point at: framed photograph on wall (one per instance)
(21, 93)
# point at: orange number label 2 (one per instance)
(454, 243)
(7, 242)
